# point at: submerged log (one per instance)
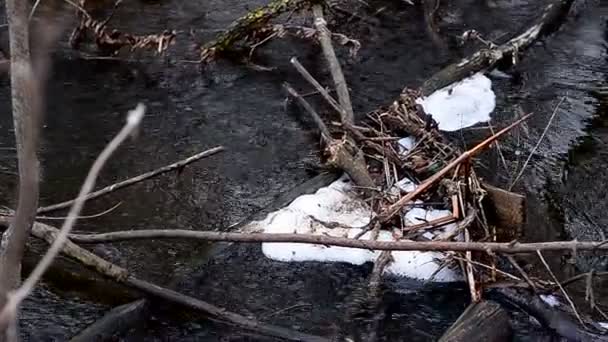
(482, 321)
(552, 17)
(116, 322)
(555, 320)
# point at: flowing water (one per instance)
(270, 150)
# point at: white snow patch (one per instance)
(348, 215)
(604, 325)
(550, 300)
(461, 104)
(406, 144)
(406, 185)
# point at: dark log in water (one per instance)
(482, 321)
(116, 322)
(557, 321)
(551, 19)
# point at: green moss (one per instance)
(248, 24)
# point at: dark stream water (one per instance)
(269, 150)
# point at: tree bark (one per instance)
(26, 115)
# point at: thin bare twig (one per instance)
(111, 188)
(16, 297)
(80, 217)
(488, 267)
(522, 272)
(582, 276)
(308, 77)
(542, 259)
(542, 136)
(498, 247)
(469, 271)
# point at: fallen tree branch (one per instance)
(111, 188)
(121, 275)
(340, 155)
(334, 65)
(498, 247)
(246, 25)
(397, 206)
(485, 59)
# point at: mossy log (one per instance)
(247, 24)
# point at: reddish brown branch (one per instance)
(397, 206)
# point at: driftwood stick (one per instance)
(475, 296)
(308, 77)
(325, 135)
(497, 247)
(121, 275)
(334, 65)
(340, 156)
(397, 206)
(485, 59)
(134, 180)
(563, 290)
(522, 272)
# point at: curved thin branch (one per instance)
(16, 297)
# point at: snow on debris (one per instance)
(338, 206)
(462, 104)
